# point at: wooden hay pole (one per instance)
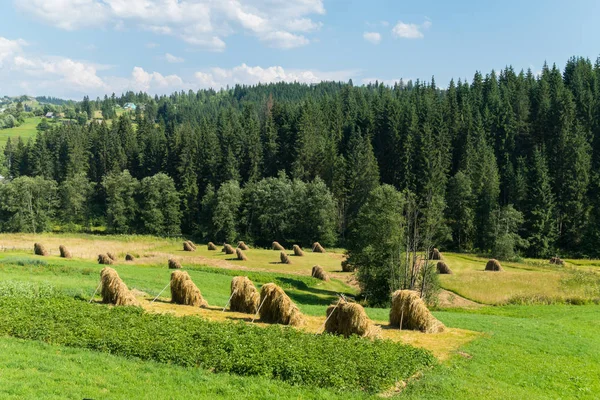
(409, 311)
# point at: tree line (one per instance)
(504, 163)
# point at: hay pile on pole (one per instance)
(39, 250)
(285, 259)
(243, 246)
(277, 307)
(227, 249)
(111, 256)
(212, 246)
(556, 261)
(443, 268)
(129, 257)
(114, 291)
(317, 248)
(174, 264)
(435, 254)
(347, 267)
(298, 251)
(410, 312)
(493, 265)
(348, 319)
(319, 273)
(244, 296)
(240, 255)
(188, 245)
(184, 291)
(277, 246)
(104, 259)
(64, 253)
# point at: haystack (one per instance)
(277, 246)
(240, 255)
(493, 265)
(298, 251)
(184, 291)
(129, 257)
(188, 245)
(443, 268)
(243, 246)
(319, 273)
(64, 253)
(39, 249)
(435, 254)
(227, 249)
(174, 264)
(410, 312)
(285, 259)
(114, 291)
(350, 319)
(556, 261)
(245, 298)
(212, 246)
(111, 256)
(277, 307)
(347, 267)
(104, 259)
(317, 248)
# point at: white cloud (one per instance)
(8, 48)
(204, 23)
(373, 37)
(173, 59)
(410, 31)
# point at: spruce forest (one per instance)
(504, 163)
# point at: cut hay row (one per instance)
(188, 245)
(114, 291)
(174, 264)
(244, 296)
(129, 257)
(443, 268)
(317, 248)
(39, 250)
(348, 319)
(227, 249)
(493, 265)
(212, 246)
(285, 259)
(410, 312)
(298, 251)
(277, 307)
(64, 253)
(277, 246)
(184, 291)
(104, 259)
(240, 255)
(243, 246)
(319, 273)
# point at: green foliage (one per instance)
(27, 290)
(121, 207)
(159, 206)
(506, 223)
(460, 211)
(225, 213)
(239, 348)
(75, 194)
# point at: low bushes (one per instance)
(238, 348)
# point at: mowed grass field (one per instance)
(26, 130)
(539, 351)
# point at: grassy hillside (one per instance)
(25, 130)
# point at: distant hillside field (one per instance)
(26, 130)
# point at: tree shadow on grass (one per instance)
(305, 294)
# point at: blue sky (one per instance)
(69, 48)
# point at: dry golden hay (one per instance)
(104, 259)
(244, 296)
(277, 307)
(298, 251)
(114, 291)
(129, 257)
(443, 268)
(39, 249)
(493, 265)
(184, 291)
(317, 248)
(64, 253)
(188, 245)
(228, 249)
(350, 319)
(409, 310)
(277, 246)
(240, 255)
(556, 261)
(111, 256)
(211, 246)
(243, 246)
(435, 254)
(285, 259)
(347, 267)
(174, 264)
(319, 273)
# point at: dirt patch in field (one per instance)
(447, 299)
